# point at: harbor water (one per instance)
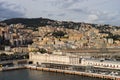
(26, 74)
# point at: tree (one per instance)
(42, 50)
(58, 34)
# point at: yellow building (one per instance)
(75, 36)
(32, 48)
(20, 49)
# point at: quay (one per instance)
(71, 72)
(13, 68)
(95, 75)
(63, 71)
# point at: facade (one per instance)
(39, 58)
(110, 41)
(101, 63)
(20, 49)
(6, 52)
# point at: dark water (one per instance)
(26, 74)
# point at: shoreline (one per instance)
(13, 68)
(94, 75)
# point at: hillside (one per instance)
(37, 22)
(31, 22)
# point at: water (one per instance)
(26, 74)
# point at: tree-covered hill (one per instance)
(29, 22)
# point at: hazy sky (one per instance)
(92, 11)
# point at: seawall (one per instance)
(94, 75)
(12, 68)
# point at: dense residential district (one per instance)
(81, 47)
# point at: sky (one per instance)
(89, 11)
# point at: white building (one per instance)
(38, 58)
(110, 41)
(101, 63)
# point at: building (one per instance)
(20, 49)
(110, 41)
(38, 58)
(101, 63)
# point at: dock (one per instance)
(12, 68)
(94, 75)
(71, 72)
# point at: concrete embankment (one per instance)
(107, 77)
(12, 68)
